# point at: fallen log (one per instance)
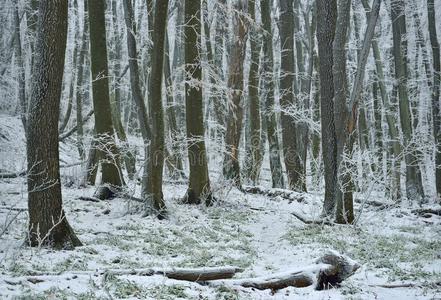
(12, 174)
(329, 271)
(423, 211)
(314, 222)
(193, 275)
(286, 194)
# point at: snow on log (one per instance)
(329, 271)
(286, 194)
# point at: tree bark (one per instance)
(435, 90)
(343, 193)
(47, 221)
(293, 164)
(21, 70)
(231, 166)
(327, 17)
(156, 161)
(414, 188)
(110, 169)
(254, 157)
(271, 122)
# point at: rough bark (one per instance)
(327, 16)
(199, 181)
(343, 194)
(293, 164)
(47, 221)
(435, 90)
(156, 161)
(270, 115)
(254, 157)
(110, 169)
(231, 167)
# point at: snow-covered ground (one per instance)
(255, 232)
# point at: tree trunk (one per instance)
(21, 70)
(175, 159)
(47, 221)
(136, 89)
(271, 122)
(156, 161)
(80, 84)
(115, 98)
(199, 181)
(254, 157)
(327, 16)
(231, 167)
(414, 188)
(293, 163)
(110, 170)
(436, 90)
(303, 95)
(343, 192)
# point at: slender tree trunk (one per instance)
(80, 92)
(111, 172)
(326, 23)
(21, 70)
(292, 155)
(435, 90)
(255, 155)
(390, 119)
(199, 181)
(47, 221)
(414, 188)
(156, 161)
(175, 158)
(303, 95)
(136, 89)
(115, 98)
(231, 167)
(271, 122)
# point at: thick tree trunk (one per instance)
(231, 167)
(327, 16)
(436, 90)
(343, 193)
(291, 151)
(414, 188)
(47, 222)
(199, 181)
(270, 115)
(156, 161)
(110, 170)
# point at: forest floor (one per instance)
(255, 232)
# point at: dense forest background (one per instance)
(325, 113)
